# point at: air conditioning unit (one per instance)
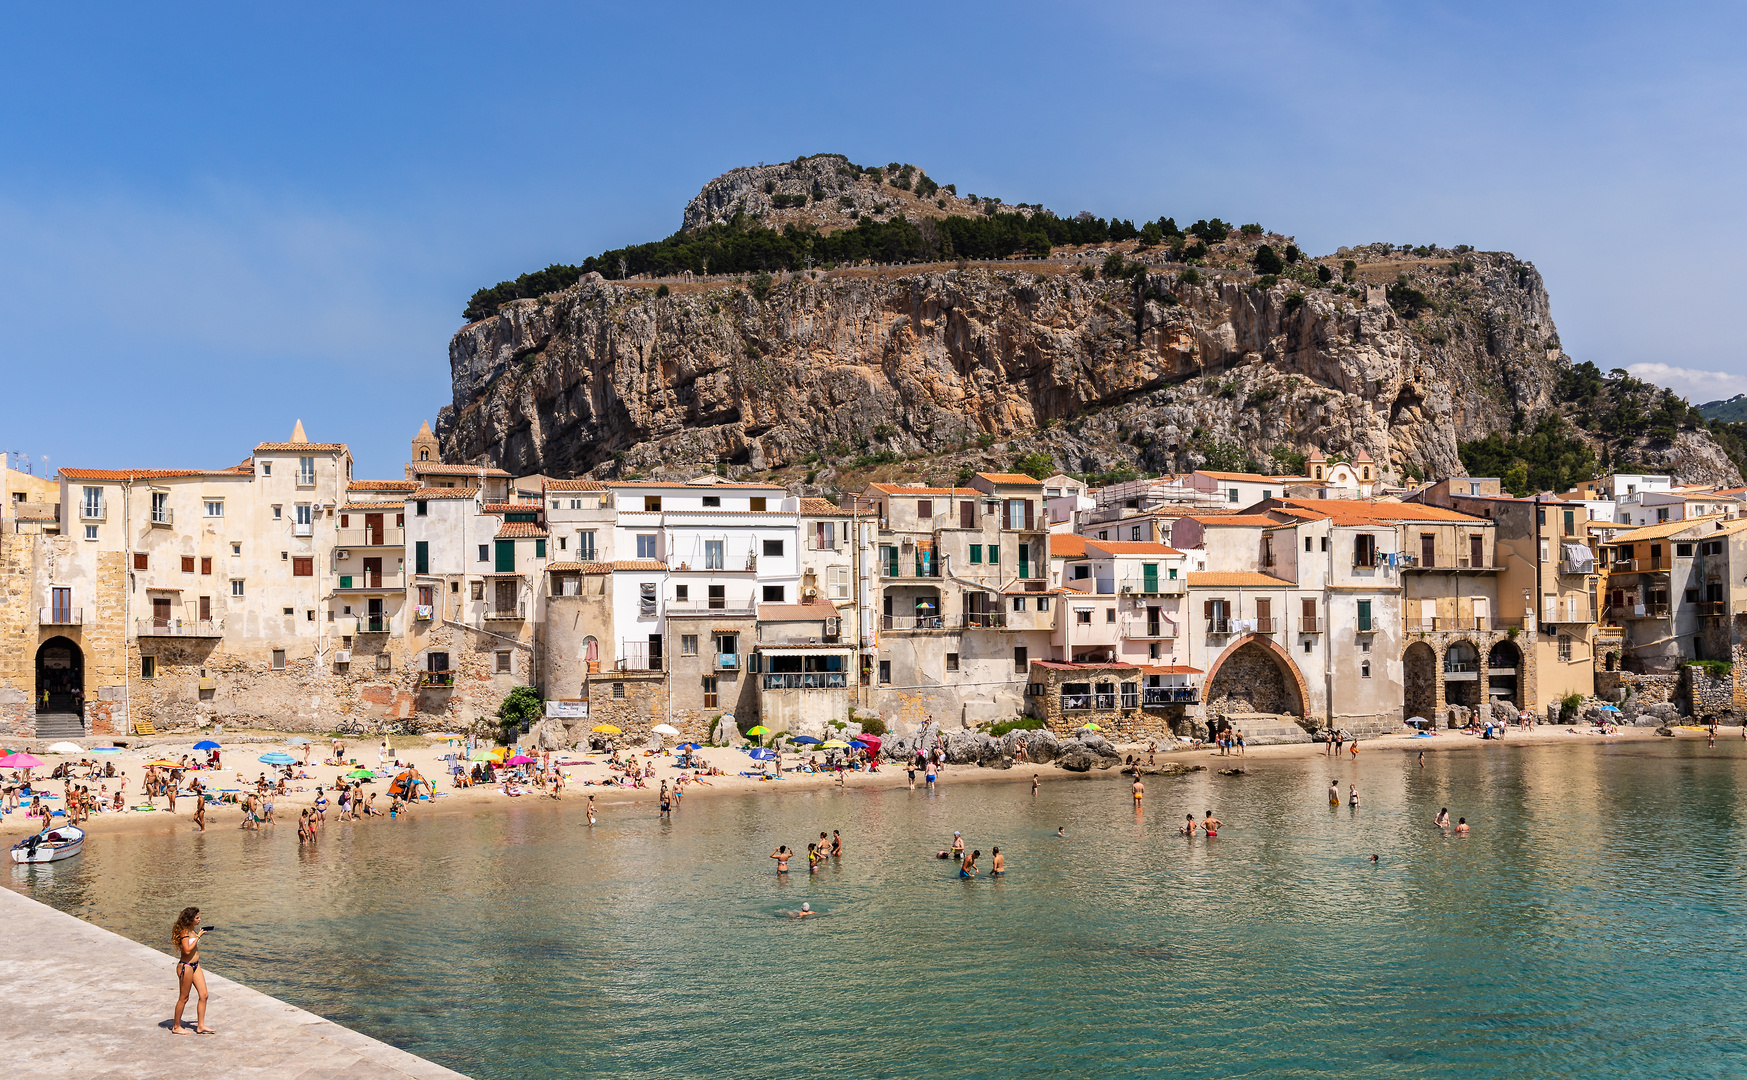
(340, 555)
(810, 594)
(343, 656)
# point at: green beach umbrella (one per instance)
(761, 731)
(360, 774)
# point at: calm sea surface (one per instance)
(1592, 926)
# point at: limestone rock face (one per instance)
(607, 380)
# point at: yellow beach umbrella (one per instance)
(759, 730)
(164, 763)
(834, 744)
(607, 729)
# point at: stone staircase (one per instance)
(1267, 729)
(59, 725)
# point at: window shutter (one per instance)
(924, 508)
(1207, 609)
(1030, 512)
(139, 560)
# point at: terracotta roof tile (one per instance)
(513, 507)
(1256, 478)
(1067, 546)
(567, 567)
(1171, 669)
(575, 485)
(1249, 520)
(512, 529)
(366, 507)
(1661, 530)
(822, 508)
(424, 493)
(900, 489)
(1009, 478)
(1367, 512)
(1239, 579)
(304, 447)
(136, 474)
(725, 485)
(382, 485)
(1132, 547)
(433, 468)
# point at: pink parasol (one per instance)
(19, 760)
(520, 759)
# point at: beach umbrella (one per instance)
(106, 749)
(834, 744)
(872, 741)
(277, 757)
(21, 761)
(689, 746)
(480, 755)
(65, 748)
(1089, 726)
(758, 730)
(1418, 720)
(665, 729)
(295, 740)
(858, 744)
(360, 774)
(207, 744)
(520, 759)
(162, 763)
(607, 729)
(805, 740)
(761, 754)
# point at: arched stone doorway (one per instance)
(60, 676)
(1462, 674)
(1419, 673)
(1504, 663)
(1255, 677)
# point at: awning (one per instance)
(810, 650)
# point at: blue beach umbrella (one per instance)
(858, 743)
(277, 757)
(688, 746)
(761, 753)
(206, 744)
(805, 740)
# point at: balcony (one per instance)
(182, 628)
(163, 517)
(1153, 696)
(303, 528)
(1220, 626)
(1637, 566)
(436, 680)
(363, 582)
(1712, 609)
(913, 622)
(985, 620)
(1141, 586)
(94, 512)
(727, 661)
(375, 624)
(509, 614)
(1567, 568)
(1264, 626)
(807, 680)
(1474, 564)
(1309, 624)
(1142, 629)
(1643, 611)
(1460, 672)
(61, 616)
(717, 609)
(387, 536)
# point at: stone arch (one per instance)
(60, 676)
(1504, 673)
(1240, 677)
(1462, 673)
(1419, 673)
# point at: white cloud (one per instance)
(1693, 384)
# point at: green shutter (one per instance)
(1364, 615)
(422, 557)
(976, 553)
(539, 549)
(1024, 560)
(1149, 577)
(506, 556)
(995, 554)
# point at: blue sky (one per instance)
(214, 221)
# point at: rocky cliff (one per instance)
(925, 372)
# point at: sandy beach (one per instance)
(242, 749)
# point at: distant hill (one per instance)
(1733, 411)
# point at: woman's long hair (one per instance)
(184, 924)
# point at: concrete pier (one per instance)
(84, 1002)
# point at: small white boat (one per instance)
(50, 845)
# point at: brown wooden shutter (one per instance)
(967, 515)
(206, 564)
(924, 508)
(139, 560)
(302, 566)
(1030, 520)
(1207, 608)
(1309, 604)
(206, 609)
(1264, 607)
(188, 564)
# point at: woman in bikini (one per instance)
(186, 940)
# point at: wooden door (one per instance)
(373, 573)
(206, 609)
(1476, 551)
(160, 611)
(505, 598)
(967, 515)
(1264, 615)
(1428, 552)
(373, 528)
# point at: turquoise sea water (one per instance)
(1592, 925)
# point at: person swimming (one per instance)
(1210, 825)
(1188, 828)
(1442, 820)
(1461, 826)
(1061, 832)
(806, 910)
(1353, 796)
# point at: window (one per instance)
(682, 592)
(1231, 495)
(384, 662)
(91, 505)
(484, 552)
(837, 582)
(585, 545)
(712, 501)
(1364, 550)
(309, 615)
(236, 549)
(139, 560)
(236, 586)
(1565, 647)
(1021, 660)
(714, 557)
(756, 503)
(1083, 616)
(1019, 603)
(1307, 545)
(90, 532)
(1364, 669)
(1570, 522)
(266, 468)
(924, 508)
(1109, 615)
(711, 697)
(688, 644)
(539, 549)
(1131, 695)
(288, 611)
(306, 471)
(563, 543)
(278, 513)
(1325, 543)
(718, 597)
(419, 508)
(303, 515)
(206, 564)
(1103, 534)
(188, 564)
(773, 548)
(278, 659)
(976, 553)
(994, 554)
(646, 600)
(824, 536)
(651, 502)
(148, 667)
(773, 594)
(952, 661)
(421, 557)
(646, 545)
(303, 566)
(1364, 616)
(1134, 533)
(885, 673)
(285, 556)
(503, 662)
(1714, 547)
(1307, 642)
(1043, 603)
(427, 596)
(478, 591)
(214, 508)
(619, 691)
